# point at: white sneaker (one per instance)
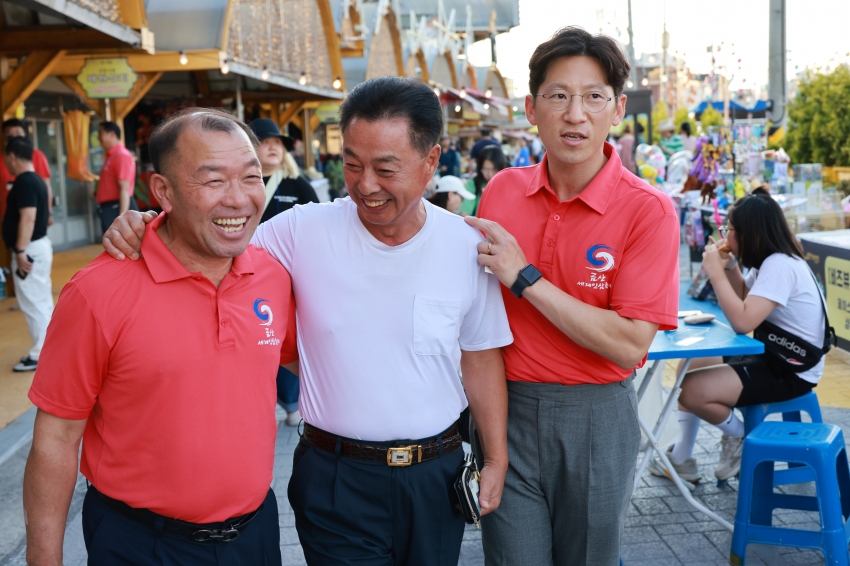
(279, 413)
(293, 418)
(731, 448)
(27, 364)
(687, 470)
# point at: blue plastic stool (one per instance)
(819, 446)
(754, 415)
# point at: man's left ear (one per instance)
(621, 110)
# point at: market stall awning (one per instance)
(110, 17)
(450, 95)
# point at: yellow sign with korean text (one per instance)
(837, 280)
(107, 78)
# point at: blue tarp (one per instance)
(760, 106)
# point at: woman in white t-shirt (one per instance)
(779, 289)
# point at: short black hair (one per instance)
(388, 98)
(485, 132)
(20, 148)
(686, 128)
(14, 123)
(574, 41)
(163, 141)
(108, 126)
(761, 230)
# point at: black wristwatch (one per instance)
(16, 251)
(527, 277)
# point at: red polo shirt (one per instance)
(42, 169)
(614, 246)
(175, 377)
(119, 165)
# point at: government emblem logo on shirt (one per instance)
(263, 312)
(600, 260)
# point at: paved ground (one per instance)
(661, 528)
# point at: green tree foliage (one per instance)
(659, 114)
(710, 117)
(819, 119)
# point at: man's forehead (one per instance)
(577, 71)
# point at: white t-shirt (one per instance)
(788, 281)
(381, 328)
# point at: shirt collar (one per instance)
(115, 148)
(598, 193)
(165, 267)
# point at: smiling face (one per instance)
(270, 151)
(386, 177)
(574, 136)
(454, 202)
(213, 192)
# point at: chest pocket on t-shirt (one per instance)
(435, 324)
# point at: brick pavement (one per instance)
(661, 528)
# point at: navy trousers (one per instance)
(287, 389)
(113, 539)
(353, 512)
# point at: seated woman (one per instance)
(779, 289)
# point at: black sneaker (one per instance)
(27, 364)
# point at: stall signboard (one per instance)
(828, 255)
(837, 281)
(328, 112)
(107, 78)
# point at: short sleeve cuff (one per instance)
(663, 320)
(57, 409)
(489, 345)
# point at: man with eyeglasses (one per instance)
(588, 257)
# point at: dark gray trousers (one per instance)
(572, 453)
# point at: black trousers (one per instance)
(113, 539)
(108, 212)
(352, 512)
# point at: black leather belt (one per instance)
(225, 531)
(415, 453)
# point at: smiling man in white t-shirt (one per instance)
(391, 302)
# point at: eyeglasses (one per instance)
(725, 229)
(559, 100)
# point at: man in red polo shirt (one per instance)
(174, 389)
(117, 176)
(12, 128)
(588, 257)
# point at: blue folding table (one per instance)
(688, 342)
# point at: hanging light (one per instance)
(630, 84)
(458, 108)
(225, 68)
(265, 74)
(645, 81)
(515, 108)
(303, 79)
(337, 84)
(489, 92)
(462, 92)
(486, 106)
(183, 58)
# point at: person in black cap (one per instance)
(285, 187)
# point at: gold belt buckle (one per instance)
(403, 455)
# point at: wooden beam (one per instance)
(274, 112)
(132, 13)
(351, 53)
(123, 106)
(332, 42)
(290, 112)
(71, 82)
(42, 38)
(202, 83)
(26, 78)
(143, 63)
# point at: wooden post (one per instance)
(308, 140)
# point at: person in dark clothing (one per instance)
(285, 187)
(449, 158)
(486, 139)
(25, 234)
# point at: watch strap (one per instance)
(528, 276)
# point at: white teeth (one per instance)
(230, 224)
(374, 203)
(570, 137)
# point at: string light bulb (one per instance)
(265, 74)
(630, 84)
(486, 106)
(183, 58)
(225, 68)
(645, 81)
(458, 108)
(337, 84)
(303, 79)
(437, 91)
(515, 108)
(462, 92)
(489, 92)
